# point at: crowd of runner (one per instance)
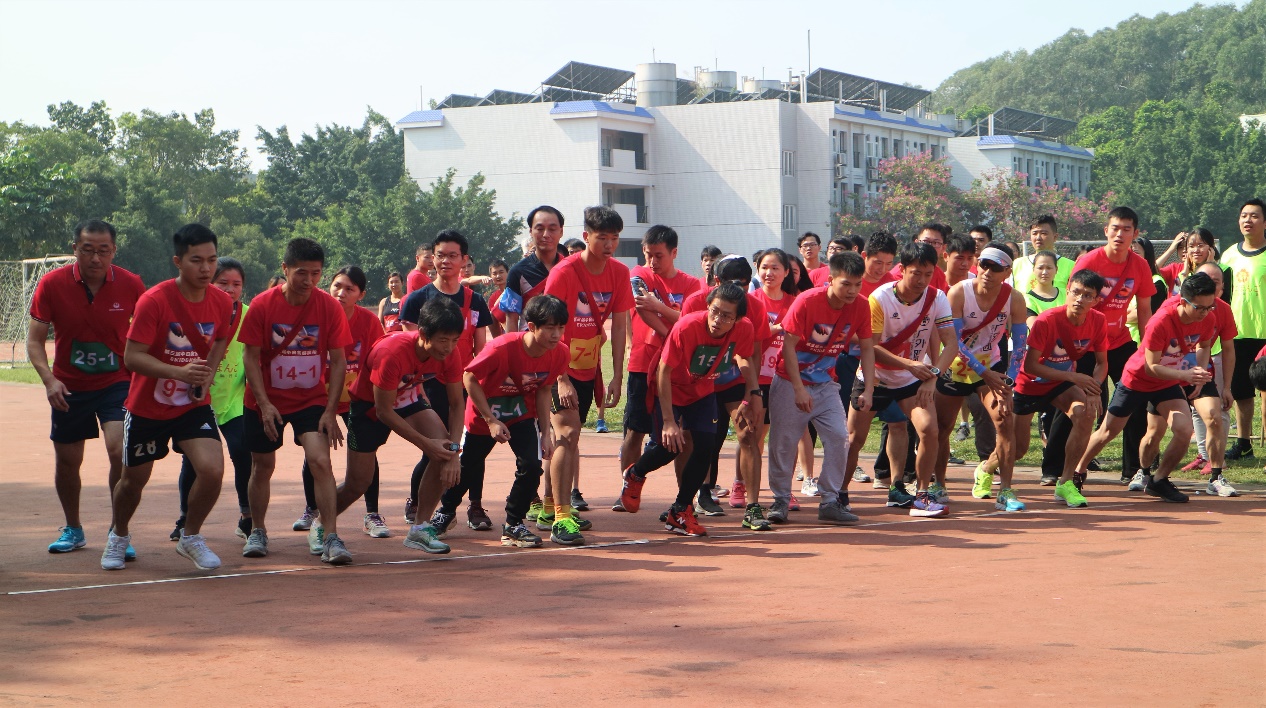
(784, 350)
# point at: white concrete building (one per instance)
(741, 170)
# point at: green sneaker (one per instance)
(1067, 492)
(1007, 501)
(566, 532)
(544, 521)
(754, 518)
(582, 524)
(936, 490)
(983, 489)
(534, 510)
(424, 538)
(899, 497)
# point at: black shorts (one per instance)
(302, 422)
(145, 439)
(87, 409)
(883, 396)
(365, 434)
(700, 415)
(584, 398)
(1245, 352)
(960, 388)
(1208, 390)
(1126, 401)
(636, 417)
(1024, 404)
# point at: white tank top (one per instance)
(982, 344)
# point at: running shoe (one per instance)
(880, 483)
(1239, 451)
(582, 524)
(424, 538)
(925, 506)
(1095, 465)
(983, 488)
(1195, 464)
(566, 532)
(738, 495)
(545, 520)
(1222, 488)
(1166, 491)
(1138, 482)
(578, 501)
(1068, 493)
(244, 526)
(809, 487)
(957, 460)
(707, 506)
(793, 504)
(683, 522)
(835, 513)
(843, 500)
(778, 512)
(534, 510)
(962, 432)
(519, 536)
(1207, 469)
(1048, 480)
(195, 549)
(799, 474)
(1007, 501)
(939, 494)
(410, 512)
(304, 522)
(177, 532)
(754, 518)
(719, 492)
(376, 526)
(631, 496)
(256, 544)
(601, 426)
(116, 547)
(909, 477)
(899, 497)
(477, 518)
(441, 522)
(860, 476)
(335, 552)
(129, 553)
(1079, 480)
(316, 539)
(71, 537)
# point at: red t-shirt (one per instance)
(812, 319)
(1170, 274)
(295, 379)
(159, 325)
(774, 312)
(393, 365)
(691, 354)
(1061, 345)
(869, 287)
(572, 283)
(1175, 341)
(494, 306)
(728, 374)
(415, 280)
(820, 275)
(510, 379)
(671, 292)
(1138, 281)
(88, 333)
(365, 329)
(938, 282)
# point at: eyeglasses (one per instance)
(448, 256)
(1200, 308)
(1083, 295)
(809, 244)
(933, 243)
(721, 316)
(90, 253)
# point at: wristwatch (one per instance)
(452, 446)
(754, 392)
(1008, 381)
(935, 371)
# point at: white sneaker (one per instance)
(316, 538)
(860, 476)
(799, 474)
(112, 558)
(195, 549)
(376, 526)
(1222, 488)
(879, 484)
(809, 487)
(1138, 482)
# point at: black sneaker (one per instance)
(578, 501)
(1239, 451)
(1048, 481)
(442, 522)
(180, 526)
(909, 477)
(519, 536)
(477, 518)
(1165, 490)
(1094, 465)
(244, 527)
(956, 460)
(708, 506)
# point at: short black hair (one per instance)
(191, 235)
(1047, 220)
(939, 228)
(845, 241)
(95, 226)
(959, 243)
(731, 293)
(1007, 248)
(544, 310)
(916, 253)
(571, 243)
(603, 220)
(354, 274)
(660, 234)
(847, 263)
(857, 243)
(451, 236)
(546, 208)
(226, 263)
(1046, 254)
(1124, 213)
(808, 235)
(1197, 284)
(1088, 278)
(1254, 202)
(395, 274)
(498, 263)
(804, 282)
(710, 251)
(423, 248)
(1257, 371)
(881, 242)
(440, 315)
(300, 250)
(981, 228)
(735, 269)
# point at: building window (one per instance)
(788, 163)
(788, 217)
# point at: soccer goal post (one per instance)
(17, 286)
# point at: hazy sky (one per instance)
(272, 63)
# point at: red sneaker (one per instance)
(685, 523)
(631, 496)
(1196, 464)
(794, 504)
(1207, 469)
(738, 495)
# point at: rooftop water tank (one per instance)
(725, 80)
(656, 84)
(758, 85)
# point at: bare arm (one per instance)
(37, 354)
(384, 407)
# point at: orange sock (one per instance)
(547, 506)
(562, 511)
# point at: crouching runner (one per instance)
(697, 347)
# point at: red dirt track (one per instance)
(1131, 601)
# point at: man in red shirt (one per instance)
(685, 405)
(89, 304)
(810, 246)
(821, 275)
(1211, 416)
(174, 346)
(594, 286)
(288, 334)
(1174, 356)
(419, 277)
(659, 290)
(388, 395)
(934, 235)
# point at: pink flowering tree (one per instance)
(916, 190)
(1003, 200)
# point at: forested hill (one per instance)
(1217, 50)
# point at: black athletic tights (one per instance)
(656, 456)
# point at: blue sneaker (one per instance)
(600, 426)
(1008, 502)
(72, 537)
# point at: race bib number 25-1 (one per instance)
(93, 357)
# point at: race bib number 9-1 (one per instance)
(93, 357)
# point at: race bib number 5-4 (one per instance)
(584, 353)
(93, 357)
(295, 371)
